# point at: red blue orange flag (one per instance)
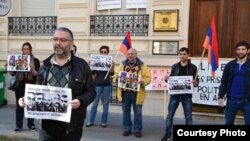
(126, 44)
(211, 44)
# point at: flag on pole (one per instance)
(211, 44)
(126, 44)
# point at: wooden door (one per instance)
(232, 21)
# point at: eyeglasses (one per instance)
(103, 52)
(26, 48)
(61, 40)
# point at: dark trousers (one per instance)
(56, 131)
(19, 92)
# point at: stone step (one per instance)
(216, 117)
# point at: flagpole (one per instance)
(111, 65)
(202, 56)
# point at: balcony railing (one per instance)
(32, 25)
(118, 25)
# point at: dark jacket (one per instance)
(191, 69)
(81, 84)
(227, 77)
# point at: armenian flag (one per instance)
(211, 44)
(126, 44)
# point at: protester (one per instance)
(24, 77)
(235, 85)
(129, 97)
(182, 68)
(63, 69)
(103, 89)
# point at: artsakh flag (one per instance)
(126, 44)
(211, 44)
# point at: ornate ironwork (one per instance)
(32, 25)
(118, 25)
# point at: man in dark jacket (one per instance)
(235, 84)
(182, 68)
(63, 69)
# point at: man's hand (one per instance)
(195, 83)
(221, 102)
(21, 102)
(75, 103)
(166, 77)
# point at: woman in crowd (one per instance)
(23, 77)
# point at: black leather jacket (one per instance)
(81, 84)
(227, 78)
(191, 69)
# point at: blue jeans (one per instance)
(232, 106)
(104, 92)
(186, 101)
(129, 99)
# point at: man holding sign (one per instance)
(182, 68)
(64, 70)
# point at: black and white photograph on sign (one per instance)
(18, 63)
(129, 81)
(180, 85)
(100, 62)
(47, 102)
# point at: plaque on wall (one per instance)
(165, 47)
(166, 20)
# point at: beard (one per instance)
(241, 56)
(60, 51)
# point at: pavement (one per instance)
(153, 129)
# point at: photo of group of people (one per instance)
(100, 62)
(129, 81)
(180, 84)
(47, 102)
(18, 63)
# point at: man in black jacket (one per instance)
(63, 69)
(182, 68)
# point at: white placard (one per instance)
(180, 85)
(100, 62)
(129, 81)
(47, 102)
(18, 63)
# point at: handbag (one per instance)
(12, 85)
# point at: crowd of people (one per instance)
(65, 70)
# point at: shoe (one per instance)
(138, 134)
(165, 138)
(89, 124)
(18, 129)
(103, 125)
(126, 133)
(32, 127)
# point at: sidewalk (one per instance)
(153, 129)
